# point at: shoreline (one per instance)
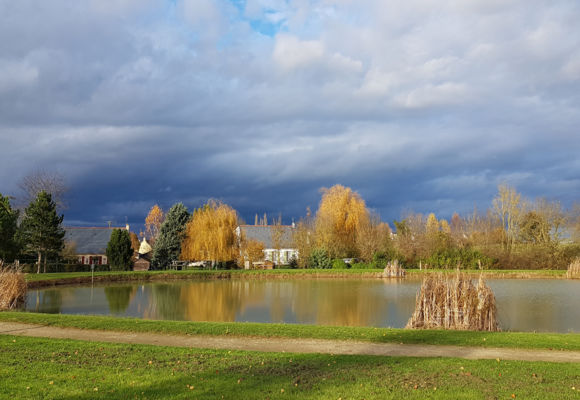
(82, 278)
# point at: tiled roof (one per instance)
(263, 233)
(89, 240)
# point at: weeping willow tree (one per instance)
(210, 234)
(340, 215)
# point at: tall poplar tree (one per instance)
(119, 251)
(172, 232)
(41, 230)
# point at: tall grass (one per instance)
(574, 269)
(12, 286)
(394, 270)
(454, 303)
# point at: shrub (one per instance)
(465, 258)
(293, 262)
(319, 259)
(362, 265)
(339, 263)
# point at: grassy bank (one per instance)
(66, 369)
(68, 278)
(375, 335)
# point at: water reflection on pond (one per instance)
(523, 305)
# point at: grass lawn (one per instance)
(376, 335)
(32, 368)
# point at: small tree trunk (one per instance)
(44, 264)
(38, 262)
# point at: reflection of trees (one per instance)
(48, 301)
(339, 303)
(119, 297)
(220, 301)
(166, 301)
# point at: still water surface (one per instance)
(523, 305)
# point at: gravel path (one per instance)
(289, 345)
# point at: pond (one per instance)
(541, 305)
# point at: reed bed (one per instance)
(12, 287)
(393, 270)
(574, 269)
(445, 302)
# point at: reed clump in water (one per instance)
(454, 303)
(574, 269)
(393, 270)
(12, 287)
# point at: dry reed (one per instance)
(454, 303)
(574, 269)
(12, 287)
(393, 270)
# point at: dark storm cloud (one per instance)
(417, 106)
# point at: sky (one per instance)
(418, 105)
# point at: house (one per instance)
(90, 243)
(277, 240)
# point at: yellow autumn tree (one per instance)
(153, 222)
(372, 237)
(210, 234)
(432, 226)
(340, 215)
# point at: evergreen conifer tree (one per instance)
(119, 251)
(8, 229)
(41, 228)
(168, 244)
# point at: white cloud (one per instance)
(291, 53)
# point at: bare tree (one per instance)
(41, 180)
(507, 206)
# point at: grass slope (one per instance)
(376, 335)
(32, 368)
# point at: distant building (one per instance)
(279, 253)
(90, 244)
(143, 262)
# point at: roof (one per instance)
(263, 233)
(145, 247)
(89, 240)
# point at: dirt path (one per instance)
(289, 345)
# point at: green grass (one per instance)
(205, 274)
(376, 335)
(32, 368)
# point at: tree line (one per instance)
(514, 232)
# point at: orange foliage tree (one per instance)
(340, 215)
(210, 234)
(153, 222)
